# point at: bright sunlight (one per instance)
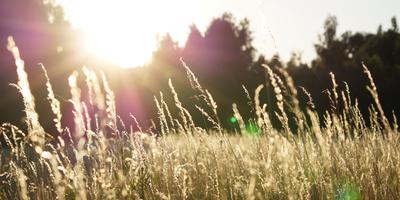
(126, 32)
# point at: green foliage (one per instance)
(348, 192)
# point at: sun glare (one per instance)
(123, 31)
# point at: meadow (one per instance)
(341, 155)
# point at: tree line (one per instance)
(223, 58)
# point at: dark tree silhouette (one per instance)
(223, 61)
(343, 56)
(43, 36)
(194, 47)
(223, 58)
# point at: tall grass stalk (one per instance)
(35, 130)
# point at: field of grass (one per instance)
(339, 156)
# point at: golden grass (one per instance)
(343, 159)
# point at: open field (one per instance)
(339, 156)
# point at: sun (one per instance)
(120, 44)
(126, 31)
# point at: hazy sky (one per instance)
(293, 25)
(279, 26)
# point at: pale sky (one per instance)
(279, 26)
(295, 24)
